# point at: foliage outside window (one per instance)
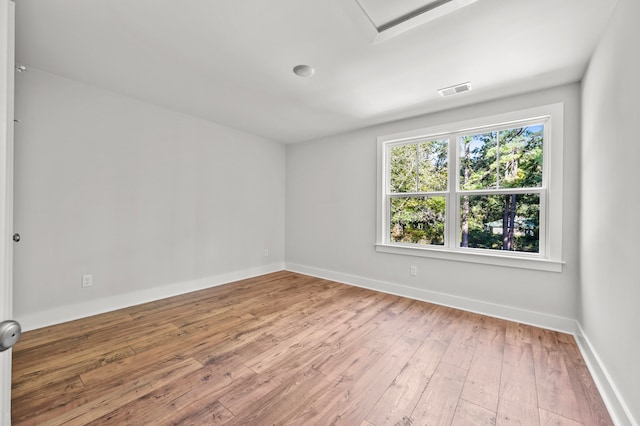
(480, 190)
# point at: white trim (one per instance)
(501, 191)
(97, 306)
(618, 409)
(551, 193)
(485, 257)
(388, 30)
(538, 319)
(7, 54)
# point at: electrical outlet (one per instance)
(413, 271)
(87, 280)
(266, 252)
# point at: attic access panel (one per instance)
(390, 18)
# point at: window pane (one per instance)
(500, 222)
(510, 158)
(432, 165)
(403, 177)
(520, 164)
(417, 220)
(419, 167)
(478, 164)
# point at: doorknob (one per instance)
(10, 332)
(16, 237)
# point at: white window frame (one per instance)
(549, 257)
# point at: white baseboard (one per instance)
(510, 313)
(618, 409)
(87, 308)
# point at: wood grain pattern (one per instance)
(400, 399)
(518, 401)
(482, 386)
(553, 384)
(438, 403)
(468, 414)
(548, 418)
(289, 349)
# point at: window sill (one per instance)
(474, 257)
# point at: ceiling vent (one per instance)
(453, 90)
(390, 18)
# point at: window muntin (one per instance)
(418, 178)
(549, 188)
(490, 162)
(506, 158)
(487, 161)
(486, 166)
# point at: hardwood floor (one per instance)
(291, 349)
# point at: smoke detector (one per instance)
(303, 70)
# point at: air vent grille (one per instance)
(453, 90)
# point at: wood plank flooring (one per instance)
(290, 349)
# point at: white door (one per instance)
(6, 195)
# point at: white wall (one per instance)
(150, 201)
(153, 203)
(610, 235)
(331, 224)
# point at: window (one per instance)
(486, 190)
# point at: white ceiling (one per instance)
(230, 61)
